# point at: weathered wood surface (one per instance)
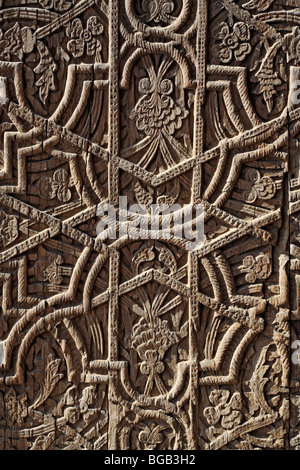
(140, 344)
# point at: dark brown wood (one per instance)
(121, 343)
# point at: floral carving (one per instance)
(212, 228)
(152, 435)
(16, 41)
(19, 41)
(51, 269)
(264, 384)
(53, 272)
(48, 381)
(227, 412)
(261, 187)
(234, 43)
(58, 5)
(268, 75)
(156, 111)
(9, 228)
(258, 268)
(57, 186)
(151, 339)
(147, 257)
(158, 10)
(268, 78)
(85, 40)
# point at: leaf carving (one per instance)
(46, 68)
(268, 77)
(51, 378)
(257, 384)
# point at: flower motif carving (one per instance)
(58, 5)
(234, 44)
(213, 228)
(156, 111)
(57, 186)
(53, 270)
(261, 187)
(226, 411)
(85, 40)
(158, 10)
(258, 268)
(16, 41)
(156, 256)
(151, 339)
(152, 435)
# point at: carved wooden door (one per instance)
(124, 343)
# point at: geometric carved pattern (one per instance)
(126, 344)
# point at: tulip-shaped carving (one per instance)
(151, 337)
(156, 111)
(151, 340)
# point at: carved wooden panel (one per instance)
(144, 344)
